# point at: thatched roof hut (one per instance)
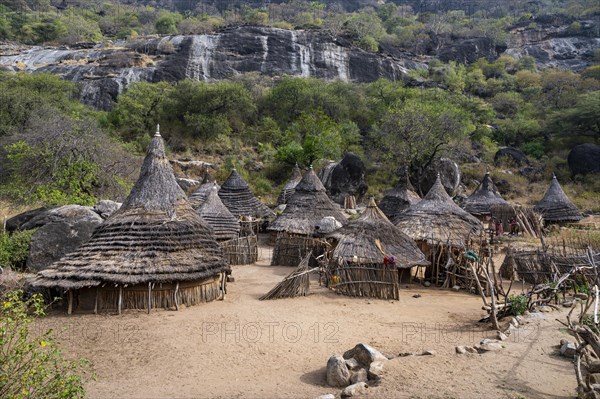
(290, 186)
(306, 207)
(483, 198)
(556, 207)
(155, 238)
(399, 198)
(237, 197)
(198, 197)
(371, 237)
(223, 223)
(436, 219)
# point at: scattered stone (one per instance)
(594, 378)
(568, 349)
(360, 375)
(501, 336)
(327, 396)
(545, 309)
(230, 279)
(563, 341)
(427, 284)
(405, 354)
(389, 356)
(456, 288)
(520, 319)
(461, 349)
(364, 354)
(428, 353)
(352, 364)
(594, 366)
(338, 374)
(105, 208)
(354, 390)
(514, 322)
(489, 345)
(581, 296)
(375, 370)
(567, 304)
(417, 296)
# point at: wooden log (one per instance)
(149, 297)
(175, 296)
(70, 302)
(120, 298)
(96, 301)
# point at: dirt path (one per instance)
(246, 348)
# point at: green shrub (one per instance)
(32, 365)
(518, 304)
(14, 249)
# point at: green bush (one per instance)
(32, 365)
(14, 249)
(518, 304)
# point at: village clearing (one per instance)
(245, 348)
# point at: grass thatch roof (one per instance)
(556, 207)
(371, 237)
(306, 207)
(437, 219)
(483, 198)
(290, 186)
(154, 237)
(237, 197)
(399, 198)
(224, 224)
(198, 197)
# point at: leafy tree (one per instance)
(579, 120)
(167, 23)
(366, 28)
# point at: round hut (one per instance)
(371, 237)
(237, 250)
(290, 186)
(484, 197)
(198, 197)
(556, 207)
(154, 252)
(437, 219)
(295, 227)
(241, 202)
(399, 198)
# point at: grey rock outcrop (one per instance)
(450, 176)
(512, 155)
(344, 178)
(584, 159)
(338, 374)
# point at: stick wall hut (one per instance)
(237, 197)
(556, 207)
(198, 197)
(290, 186)
(483, 198)
(154, 252)
(399, 198)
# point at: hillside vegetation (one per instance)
(55, 150)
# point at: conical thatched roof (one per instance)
(399, 198)
(289, 187)
(224, 224)
(306, 207)
(556, 207)
(240, 201)
(371, 237)
(483, 198)
(437, 219)
(199, 195)
(154, 237)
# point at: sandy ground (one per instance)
(245, 348)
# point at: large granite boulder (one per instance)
(584, 159)
(105, 208)
(59, 231)
(17, 222)
(450, 176)
(511, 155)
(344, 178)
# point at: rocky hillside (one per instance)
(105, 70)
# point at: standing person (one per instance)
(499, 228)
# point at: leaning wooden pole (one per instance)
(120, 298)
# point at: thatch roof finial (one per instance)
(157, 134)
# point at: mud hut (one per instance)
(556, 207)
(483, 198)
(198, 197)
(154, 252)
(399, 198)
(371, 237)
(296, 225)
(437, 219)
(241, 202)
(290, 186)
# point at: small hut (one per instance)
(154, 252)
(290, 186)
(399, 198)
(371, 237)
(198, 197)
(295, 227)
(241, 202)
(237, 250)
(483, 198)
(556, 207)
(439, 226)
